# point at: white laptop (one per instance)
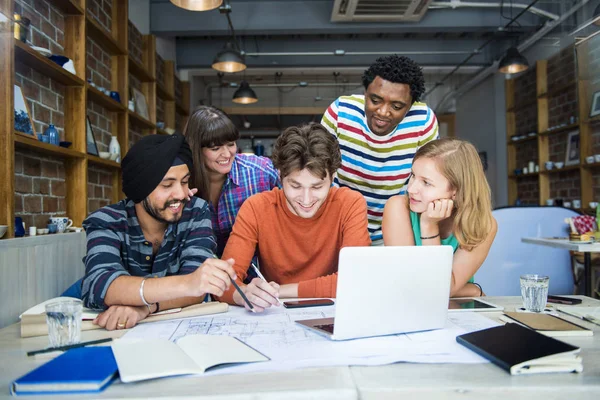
(388, 290)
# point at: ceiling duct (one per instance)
(379, 10)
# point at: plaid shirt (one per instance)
(249, 175)
(116, 246)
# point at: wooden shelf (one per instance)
(594, 119)
(105, 163)
(33, 59)
(23, 140)
(181, 110)
(103, 37)
(139, 71)
(592, 165)
(563, 169)
(67, 6)
(527, 139)
(105, 101)
(137, 119)
(559, 130)
(161, 92)
(522, 176)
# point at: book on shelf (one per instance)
(142, 359)
(521, 350)
(33, 321)
(80, 370)
(548, 325)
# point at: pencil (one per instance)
(239, 290)
(68, 347)
(263, 278)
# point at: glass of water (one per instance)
(64, 322)
(534, 291)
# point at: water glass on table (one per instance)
(534, 291)
(64, 322)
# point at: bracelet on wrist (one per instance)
(143, 298)
(480, 289)
(430, 237)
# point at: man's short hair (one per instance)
(308, 146)
(397, 69)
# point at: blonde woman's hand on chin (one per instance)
(437, 211)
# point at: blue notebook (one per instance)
(79, 370)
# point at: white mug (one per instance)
(62, 223)
(576, 203)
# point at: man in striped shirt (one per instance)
(379, 133)
(154, 250)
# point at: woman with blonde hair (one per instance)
(448, 202)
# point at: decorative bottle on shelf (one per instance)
(114, 148)
(259, 149)
(53, 136)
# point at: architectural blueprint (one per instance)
(289, 345)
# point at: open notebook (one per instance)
(33, 321)
(548, 325)
(139, 360)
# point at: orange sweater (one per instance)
(292, 249)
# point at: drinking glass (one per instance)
(534, 291)
(64, 322)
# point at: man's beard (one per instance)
(154, 213)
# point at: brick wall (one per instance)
(101, 121)
(178, 89)
(526, 151)
(557, 147)
(528, 190)
(98, 65)
(596, 185)
(101, 11)
(40, 188)
(47, 24)
(562, 107)
(136, 42)
(160, 110)
(526, 118)
(525, 88)
(160, 69)
(595, 136)
(99, 187)
(561, 69)
(565, 185)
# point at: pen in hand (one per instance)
(263, 278)
(239, 290)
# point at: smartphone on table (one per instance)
(563, 300)
(308, 303)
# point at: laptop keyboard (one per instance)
(325, 327)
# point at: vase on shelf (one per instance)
(114, 149)
(52, 134)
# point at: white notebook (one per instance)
(143, 359)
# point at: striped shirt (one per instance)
(249, 175)
(376, 166)
(116, 246)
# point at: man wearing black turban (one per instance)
(154, 250)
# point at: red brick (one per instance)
(98, 191)
(31, 90)
(32, 204)
(93, 177)
(23, 184)
(61, 205)
(41, 113)
(32, 166)
(42, 7)
(108, 192)
(41, 220)
(41, 186)
(58, 188)
(50, 204)
(57, 19)
(93, 205)
(49, 30)
(49, 169)
(18, 199)
(49, 99)
(58, 119)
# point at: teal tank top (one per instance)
(451, 240)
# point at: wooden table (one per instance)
(403, 380)
(586, 249)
